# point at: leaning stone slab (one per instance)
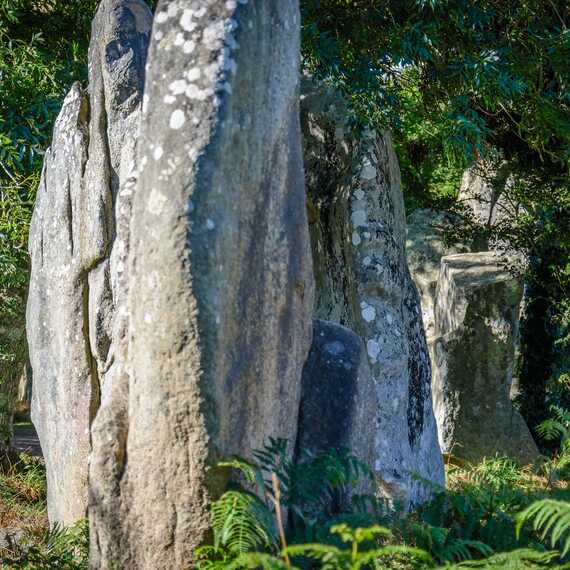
(220, 278)
(476, 322)
(358, 228)
(71, 302)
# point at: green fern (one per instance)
(364, 550)
(242, 522)
(446, 548)
(550, 518)
(526, 559)
(256, 560)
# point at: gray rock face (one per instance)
(484, 192)
(220, 284)
(362, 280)
(476, 322)
(71, 300)
(336, 406)
(425, 246)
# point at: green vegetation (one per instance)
(23, 493)
(50, 548)
(43, 48)
(313, 514)
(493, 515)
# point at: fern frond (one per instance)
(316, 551)
(242, 522)
(411, 552)
(249, 470)
(462, 549)
(551, 429)
(548, 516)
(255, 560)
(516, 560)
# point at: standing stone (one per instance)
(336, 406)
(57, 315)
(220, 284)
(476, 322)
(70, 304)
(358, 227)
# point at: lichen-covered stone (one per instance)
(336, 406)
(71, 301)
(220, 282)
(362, 281)
(476, 322)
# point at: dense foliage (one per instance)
(42, 51)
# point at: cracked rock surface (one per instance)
(75, 251)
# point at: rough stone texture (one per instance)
(362, 280)
(56, 316)
(425, 246)
(484, 192)
(220, 282)
(336, 406)
(70, 304)
(476, 322)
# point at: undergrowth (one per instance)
(309, 514)
(23, 493)
(318, 513)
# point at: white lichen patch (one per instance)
(189, 46)
(356, 238)
(368, 171)
(187, 20)
(177, 119)
(369, 313)
(177, 87)
(359, 218)
(157, 153)
(373, 349)
(161, 17)
(172, 10)
(194, 92)
(156, 202)
(193, 74)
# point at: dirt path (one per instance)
(26, 439)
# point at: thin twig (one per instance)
(276, 498)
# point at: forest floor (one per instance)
(23, 484)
